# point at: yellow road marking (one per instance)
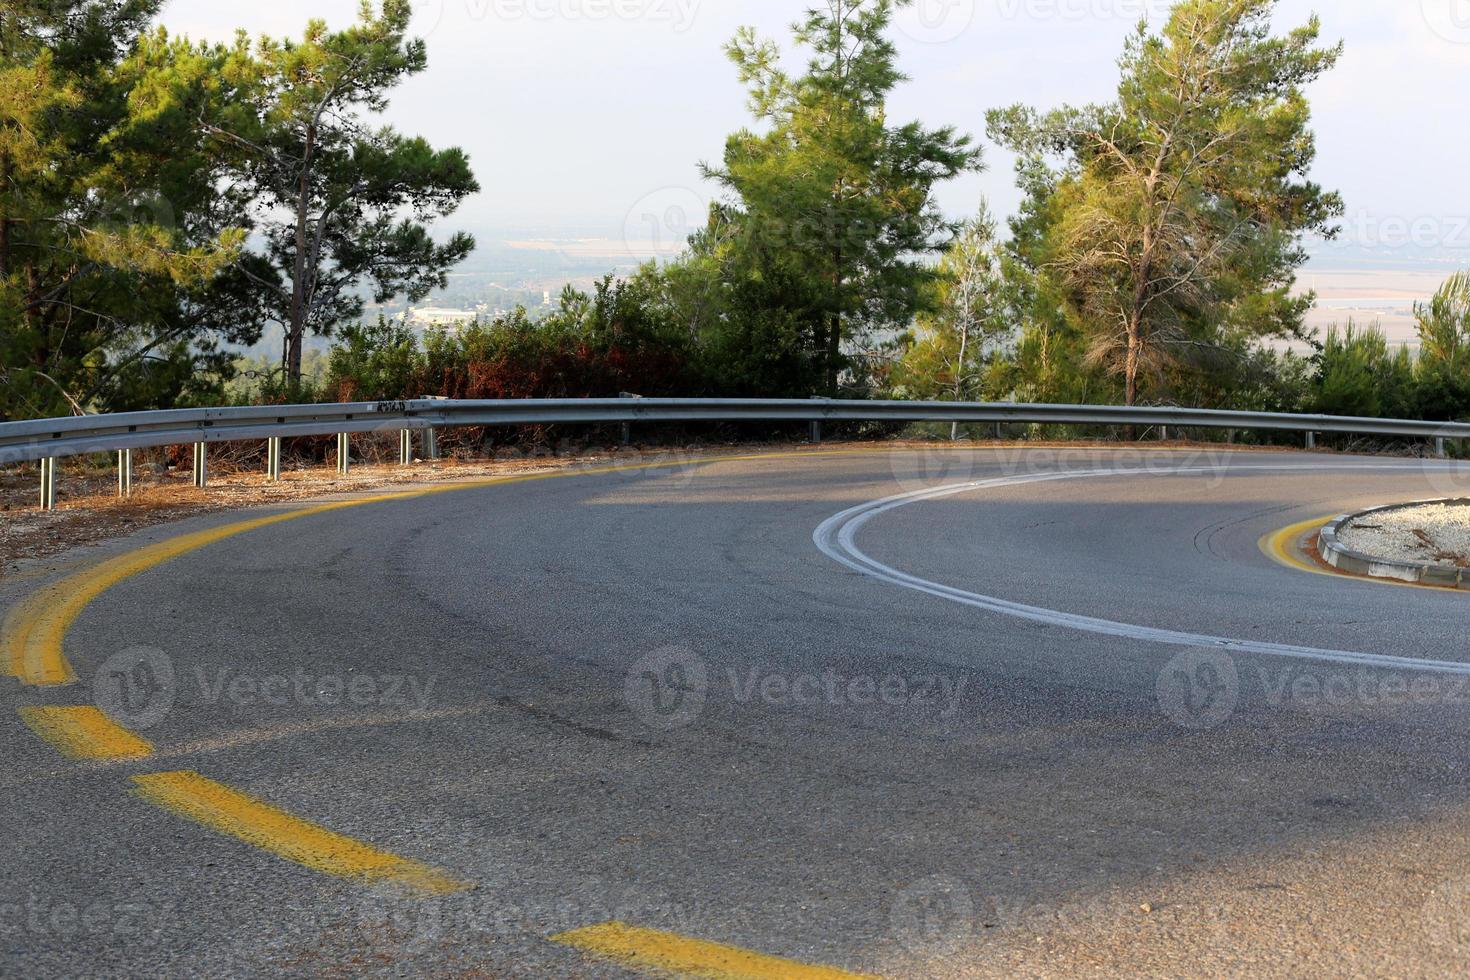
(231, 812)
(1281, 545)
(85, 733)
(31, 644)
(651, 949)
(31, 639)
(31, 647)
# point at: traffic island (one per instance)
(1422, 543)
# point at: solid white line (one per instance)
(836, 539)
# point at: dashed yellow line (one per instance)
(231, 812)
(86, 733)
(31, 647)
(667, 951)
(31, 643)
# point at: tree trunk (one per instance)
(834, 328)
(1130, 373)
(296, 329)
(959, 375)
(5, 219)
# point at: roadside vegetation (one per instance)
(163, 201)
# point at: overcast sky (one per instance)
(595, 113)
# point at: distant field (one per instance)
(1368, 296)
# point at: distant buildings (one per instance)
(439, 316)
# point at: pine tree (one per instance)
(1178, 212)
(343, 206)
(101, 223)
(834, 205)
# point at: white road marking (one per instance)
(835, 537)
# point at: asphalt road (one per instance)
(1065, 718)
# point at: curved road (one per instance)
(1063, 716)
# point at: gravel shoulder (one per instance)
(1431, 534)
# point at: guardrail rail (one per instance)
(46, 440)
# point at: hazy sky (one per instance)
(595, 113)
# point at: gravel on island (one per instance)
(1429, 534)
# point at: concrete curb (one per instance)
(1344, 559)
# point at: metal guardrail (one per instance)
(47, 439)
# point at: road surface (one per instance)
(897, 713)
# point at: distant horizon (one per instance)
(583, 125)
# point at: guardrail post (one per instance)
(405, 447)
(1311, 440)
(124, 472)
(431, 444)
(201, 465)
(626, 430)
(1439, 447)
(816, 430)
(273, 459)
(344, 453)
(1163, 433)
(48, 483)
